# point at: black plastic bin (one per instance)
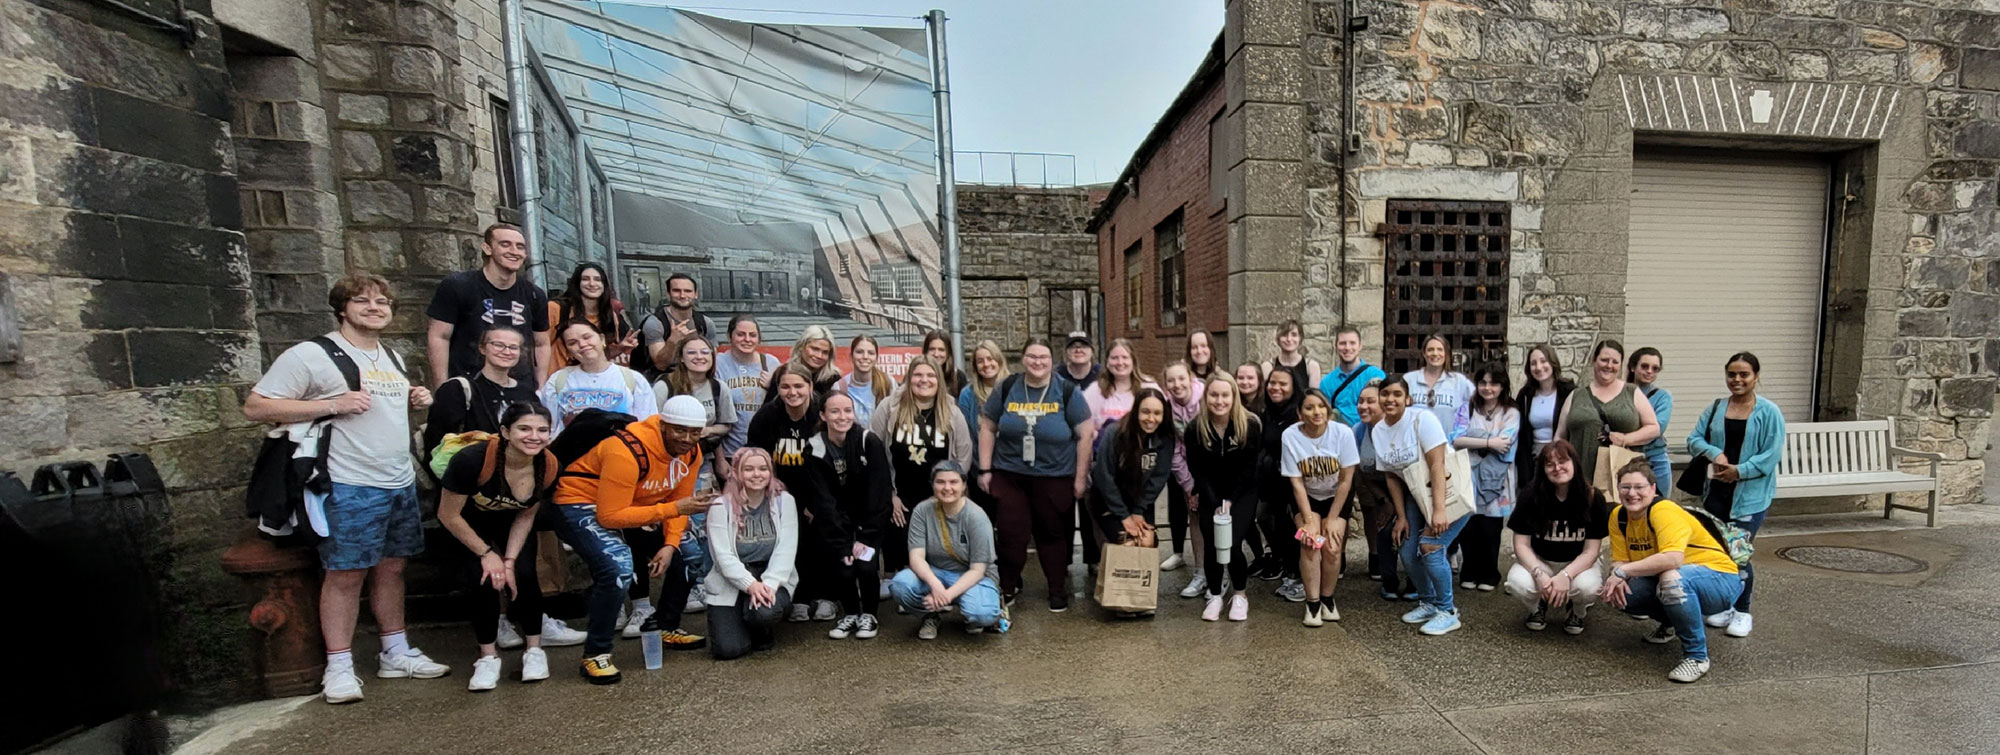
(85, 555)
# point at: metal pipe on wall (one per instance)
(521, 109)
(947, 189)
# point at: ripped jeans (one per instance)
(1680, 599)
(610, 562)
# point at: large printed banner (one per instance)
(791, 169)
(894, 360)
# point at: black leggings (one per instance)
(1239, 556)
(736, 630)
(525, 609)
(1177, 515)
(855, 585)
(1480, 542)
(1091, 548)
(1276, 518)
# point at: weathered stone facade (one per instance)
(1535, 104)
(1017, 246)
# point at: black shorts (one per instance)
(1321, 507)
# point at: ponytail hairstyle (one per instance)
(733, 488)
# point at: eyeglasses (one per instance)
(503, 347)
(1633, 488)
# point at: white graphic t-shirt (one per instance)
(1318, 461)
(371, 448)
(617, 389)
(1404, 443)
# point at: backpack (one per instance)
(589, 428)
(439, 457)
(1735, 540)
(292, 462)
(491, 464)
(644, 354)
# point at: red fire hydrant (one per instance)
(287, 657)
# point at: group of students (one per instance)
(760, 490)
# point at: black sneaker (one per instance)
(1268, 569)
(1575, 623)
(1661, 635)
(1058, 602)
(1539, 620)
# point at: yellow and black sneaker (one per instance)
(681, 640)
(597, 669)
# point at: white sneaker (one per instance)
(485, 674)
(1328, 611)
(801, 612)
(556, 634)
(509, 637)
(884, 595)
(1312, 617)
(1239, 607)
(697, 600)
(848, 624)
(1739, 625)
(534, 665)
(1721, 620)
(928, 630)
(340, 685)
(1292, 590)
(1213, 611)
(1173, 562)
(410, 664)
(624, 619)
(1195, 587)
(825, 610)
(637, 619)
(1689, 670)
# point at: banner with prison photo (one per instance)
(790, 169)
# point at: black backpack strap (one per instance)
(638, 451)
(349, 371)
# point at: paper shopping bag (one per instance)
(1128, 578)
(1605, 476)
(1458, 490)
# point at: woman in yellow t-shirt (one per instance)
(1667, 567)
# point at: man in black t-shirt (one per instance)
(466, 303)
(1559, 527)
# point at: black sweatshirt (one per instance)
(449, 412)
(1108, 481)
(774, 430)
(1228, 469)
(847, 489)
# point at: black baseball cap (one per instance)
(1077, 337)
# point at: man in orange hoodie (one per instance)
(642, 475)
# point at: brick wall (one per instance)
(1174, 177)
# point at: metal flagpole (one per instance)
(947, 190)
(522, 130)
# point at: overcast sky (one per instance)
(1078, 77)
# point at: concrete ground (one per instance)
(1839, 663)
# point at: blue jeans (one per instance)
(1663, 470)
(365, 525)
(610, 563)
(694, 548)
(1429, 573)
(1703, 591)
(1750, 524)
(980, 605)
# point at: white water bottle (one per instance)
(1224, 536)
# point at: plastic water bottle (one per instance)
(649, 643)
(1224, 535)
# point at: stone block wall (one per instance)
(121, 243)
(1530, 104)
(482, 76)
(1015, 245)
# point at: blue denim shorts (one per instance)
(365, 525)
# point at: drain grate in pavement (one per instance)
(1861, 560)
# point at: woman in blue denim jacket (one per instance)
(1492, 422)
(1743, 438)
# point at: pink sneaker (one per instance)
(1239, 608)
(1214, 609)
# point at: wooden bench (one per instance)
(1854, 458)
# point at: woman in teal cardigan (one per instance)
(1743, 439)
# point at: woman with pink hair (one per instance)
(753, 535)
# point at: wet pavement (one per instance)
(1839, 662)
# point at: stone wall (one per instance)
(1015, 245)
(1532, 104)
(121, 243)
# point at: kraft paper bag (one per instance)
(1458, 489)
(1128, 578)
(1605, 476)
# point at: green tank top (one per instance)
(1589, 416)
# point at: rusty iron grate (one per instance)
(1856, 560)
(1446, 273)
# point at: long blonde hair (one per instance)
(906, 403)
(1106, 382)
(796, 363)
(981, 390)
(1239, 420)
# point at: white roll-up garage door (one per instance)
(1726, 256)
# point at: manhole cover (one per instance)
(1863, 560)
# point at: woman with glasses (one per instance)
(1667, 567)
(1645, 371)
(1035, 438)
(475, 402)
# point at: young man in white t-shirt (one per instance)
(372, 519)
